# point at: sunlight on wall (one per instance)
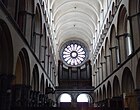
(65, 98)
(82, 98)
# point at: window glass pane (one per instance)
(82, 98)
(74, 53)
(65, 98)
(128, 45)
(118, 56)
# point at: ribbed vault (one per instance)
(74, 19)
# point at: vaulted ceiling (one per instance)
(75, 19)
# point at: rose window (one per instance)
(74, 53)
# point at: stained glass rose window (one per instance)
(74, 53)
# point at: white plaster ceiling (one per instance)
(74, 19)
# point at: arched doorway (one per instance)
(117, 100)
(6, 49)
(37, 33)
(128, 90)
(6, 65)
(116, 87)
(65, 100)
(84, 100)
(21, 83)
(34, 93)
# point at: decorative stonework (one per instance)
(74, 53)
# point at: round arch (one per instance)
(116, 87)
(127, 81)
(113, 47)
(128, 89)
(109, 91)
(6, 65)
(64, 100)
(21, 83)
(122, 18)
(84, 97)
(22, 71)
(37, 32)
(65, 97)
(35, 79)
(124, 35)
(84, 100)
(6, 49)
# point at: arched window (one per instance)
(134, 19)
(124, 35)
(43, 48)
(65, 98)
(37, 33)
(22, 71)
(20, 16)
(115, 57)
(116, 87)
(74, 53)
(128, 89)
(83, 98)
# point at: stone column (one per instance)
(5, 91)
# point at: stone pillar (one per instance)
(5, 91)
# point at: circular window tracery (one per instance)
(74, 53)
